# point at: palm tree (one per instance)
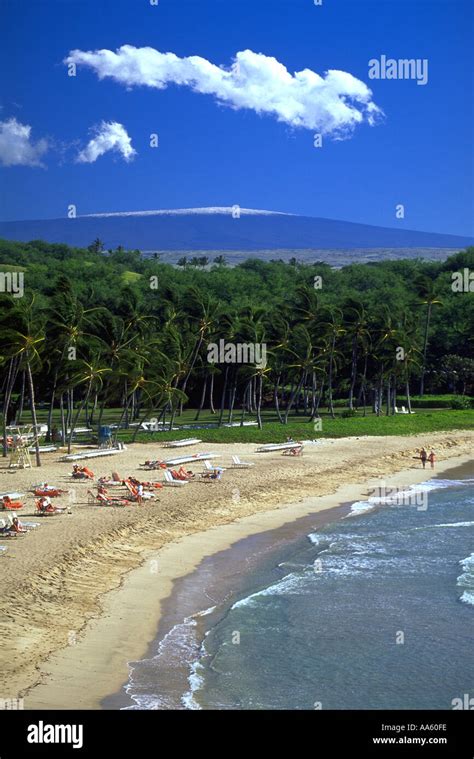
(97, 246)
(429, 298)
(24, 341)
(90, 374)
(356, 325)
(334, 330)
(69, 327)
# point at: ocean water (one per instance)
(373, 611)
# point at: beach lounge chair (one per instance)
(169, 481)
(208, 467)
(5, 529)
(10, 505)
(182, 443)
(102, 499)
(47, 509)
(154, 465)
(238, 464)
(48, 490)
(145, 495)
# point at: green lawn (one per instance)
(298, 427)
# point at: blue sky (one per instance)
(418, 155)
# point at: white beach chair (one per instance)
(238, 464)
(209, 467)
(171, 482)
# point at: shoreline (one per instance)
(96, 666)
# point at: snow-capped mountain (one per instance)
(222, 228)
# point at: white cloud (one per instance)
(109, 135)
(16, 146)
(333, 104)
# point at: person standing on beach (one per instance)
(423, 457)
(431, 459)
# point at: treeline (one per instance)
(97, 329)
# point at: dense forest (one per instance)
(96, 329)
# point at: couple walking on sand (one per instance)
(424, 457)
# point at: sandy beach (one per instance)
(82, 593)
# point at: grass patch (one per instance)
(131, 276)
(298, 427)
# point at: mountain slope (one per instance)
(216, 229)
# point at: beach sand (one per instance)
(73, 613)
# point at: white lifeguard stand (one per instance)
(20, 452)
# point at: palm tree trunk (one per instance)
(31, 392)
(22, 399)
(425, 349)
(203, 398)
(259, 402)
(361, 395)
(244, 404)
(63, 420)
(275, 398)
(232, 397)
(292, 397)
(76, 418)
(407, 390)
(353, 372)
(12, 374)
(194, 356)
(314, 388)
(330, 379)
(224, 390)
(389, 390)
(211, 395)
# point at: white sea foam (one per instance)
(466, 579)
(178, 647)
(361, 507)
(288, 583)
(467, 598)
(404, 497)
(196, 681)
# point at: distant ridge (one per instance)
(225, 210)
(217, 228)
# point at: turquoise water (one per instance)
(374, 611)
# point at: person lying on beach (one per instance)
(44, 506)
(116, 479)
(296, 451)
(11, 505)
(133, 481)
(216, 474)
(6, 530)
(82, 473)
(105, 500)
(17, 527)
(156, 464)
(186, 474)
(45, 489)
